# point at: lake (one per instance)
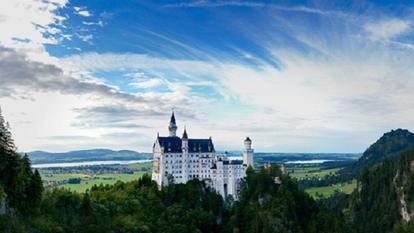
(115, 162)
(88, 163)
(311, 161)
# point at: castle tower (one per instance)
(248, 152)
(184, 148)
(172, 128)
(184, 140)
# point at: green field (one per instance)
(327, 191)
(87, 180)
(104, 179)
(311, 171)
(141, 166)
(315, 171)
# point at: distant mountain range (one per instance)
(86, 155)
(106, 154)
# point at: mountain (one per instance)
(86, 155)
(390, 146)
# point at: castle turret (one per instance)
(172, 128)
(248, 152)
(184, 141)
(184, 148)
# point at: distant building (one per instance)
(179, 160)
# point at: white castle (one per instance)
(179, 160)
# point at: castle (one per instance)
(179, 160)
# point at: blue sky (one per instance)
(295, 76)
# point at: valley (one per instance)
(82, 178)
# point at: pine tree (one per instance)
(2, 131)
(35, 189)
(10, 141)
(6, 140)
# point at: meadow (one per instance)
(318, 171)
(312, 171)
(326, 191)
(61, 180)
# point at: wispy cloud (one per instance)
(212, 4)
(387, 29)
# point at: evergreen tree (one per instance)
(22, 187)
(35, 189)
(6, 140)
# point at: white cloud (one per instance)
(387, 29)
(355, 91)
(86, 38)
(82, 11)
(34, 21)
(150, 83)
(99, 23)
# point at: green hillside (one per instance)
(384, 198)
(390, 145)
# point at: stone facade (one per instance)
(179, 160)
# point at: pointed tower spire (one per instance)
(185, 136)
(172, 120)
(184, 145)
(172, 128)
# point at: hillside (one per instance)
(384, 198)
(390, 146)
(86, 155)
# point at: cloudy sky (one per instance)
(305, 76)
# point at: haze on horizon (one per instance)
(295, 76)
